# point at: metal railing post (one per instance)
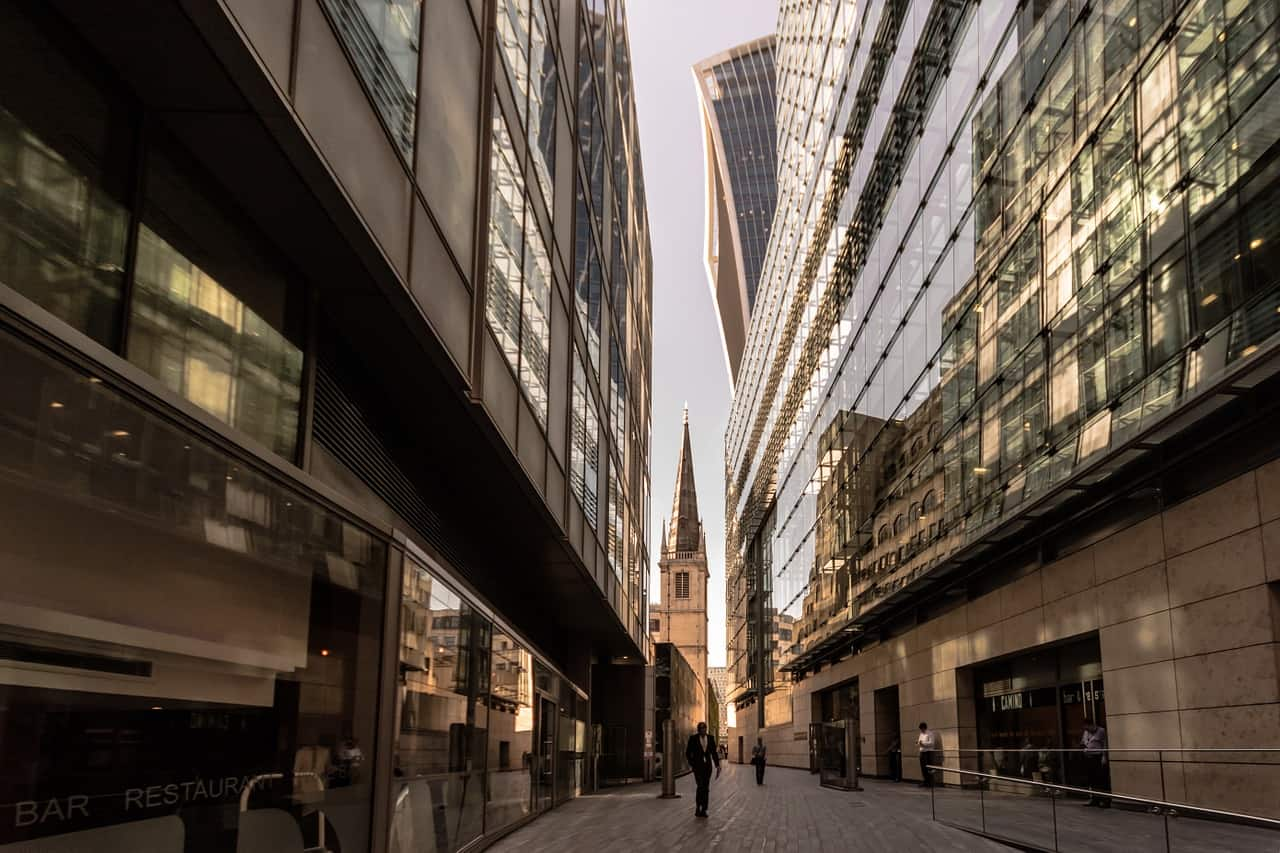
(1053, 810)
(668, 761)
(933, 802)
(982, 806)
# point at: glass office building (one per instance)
(1013, 356)
(736, 95)
(324, 387)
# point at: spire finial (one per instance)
(686, 413)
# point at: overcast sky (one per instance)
(667, 38)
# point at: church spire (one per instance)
(685, 531)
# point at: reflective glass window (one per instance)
(64, 175)
(511, 748)
(382, 39)
(201, 660)
(215, 317)
(442, 716)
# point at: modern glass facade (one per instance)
(308, 450)
(736, 91)
(1011, 240)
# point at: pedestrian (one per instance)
(702, 754)
(895, 759)
(930, 743)
(757, 758)
(1094, 741)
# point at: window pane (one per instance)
(381, 37)
(212, 317)
(511, 747)
(506, 244)
(64, 169)
(235, 626)
(444, 661)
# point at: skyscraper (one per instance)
(324, 382)
(736, 96)
(1004, 408)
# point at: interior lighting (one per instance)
(156, 708)
(95, 380)
(1222, 36)
(1208, 300)
(324, 653)
(55, 405)
(120, 433)
(1248, 351)
(979, 470)
(1255, 242)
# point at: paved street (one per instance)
(789, 813)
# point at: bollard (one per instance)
(668, 761)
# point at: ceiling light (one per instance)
(156, 708)
(1248, 351)
(1255, 242)
(95, 380)
(324, 653)
(1208, 300)
(979, 470)
(120, 433)
(55, 405)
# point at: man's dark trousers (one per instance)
(703, 780)
(1097, 775)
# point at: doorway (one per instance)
(888, 733)
(544, 772)
(740, 749)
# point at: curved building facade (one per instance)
(736, 95)
(1003, 409)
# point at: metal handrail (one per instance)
(1275, 749)
(1269, 822)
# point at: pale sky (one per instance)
(667, 38)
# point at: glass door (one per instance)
(544, 769)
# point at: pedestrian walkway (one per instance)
(790, 812)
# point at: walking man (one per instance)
(702, 753)
(930, 744)
(757, 758)
(1094, 741)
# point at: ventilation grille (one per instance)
(341, 427)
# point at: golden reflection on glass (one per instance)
(204, 343)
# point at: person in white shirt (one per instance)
(930, 744)
(1094, 742)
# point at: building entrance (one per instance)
(888, 733)
(544, 788)
(1034, 705)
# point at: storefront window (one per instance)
(443, 717)
(1033, 706)
(200, 661)
(511, 746)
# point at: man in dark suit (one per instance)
(702, 753)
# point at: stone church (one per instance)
(680, 617)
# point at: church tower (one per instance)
(681, 614)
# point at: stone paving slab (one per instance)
(789, 812)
